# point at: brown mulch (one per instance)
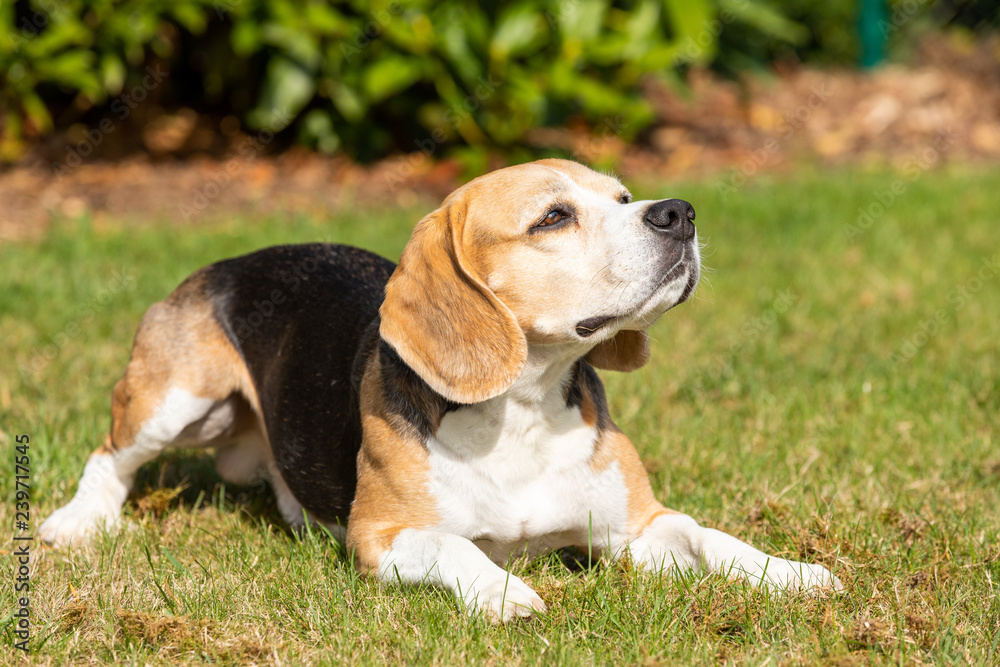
(944, 108)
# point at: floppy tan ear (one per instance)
(627, 351)
(444, 322)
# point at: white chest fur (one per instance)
(514, 475)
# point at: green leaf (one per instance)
(317, 129)
(609, 51)
(580, 20)
(689, 18)
(295, 43)
(324, 19)
(348, 103)
(288, 87)
(73, 69)
(453, 42)
(35, 111)
(112, 73)
(518, 31)
(58, 37)
(766, 19)
(691, 22)
(414, 35)
(11, 144)
(642, 27)
(389, 75)
(190, 15)
(245, 37)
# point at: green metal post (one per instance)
(873, 26)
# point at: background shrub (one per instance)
(370, 78)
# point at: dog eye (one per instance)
(625, 198)
(552, 219)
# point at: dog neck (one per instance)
(546, 370)
(527, 424)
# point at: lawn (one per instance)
(830, 395)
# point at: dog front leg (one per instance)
(677, 540)
(455, 563)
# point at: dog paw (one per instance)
(75, 523)
(505, 600)
(788, 575)
(97, 505)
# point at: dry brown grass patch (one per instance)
(870, 633)
(74, 614)
(174, 635)
(157, 502)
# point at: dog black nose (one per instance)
(672, 216)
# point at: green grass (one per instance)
(831, 431)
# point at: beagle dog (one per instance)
(440, 415)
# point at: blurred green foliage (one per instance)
(824, 35)
(373, 77)
(365, 77)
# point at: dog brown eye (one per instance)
(553, 218)
(625, 198)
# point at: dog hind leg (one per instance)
(184, 386)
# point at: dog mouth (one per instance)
(588, 327)
(693, 275)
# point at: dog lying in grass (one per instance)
(440, 415)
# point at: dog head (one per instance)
(548, 253)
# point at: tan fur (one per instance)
(392, 478)
(614, 446)
(627, 351)
(444, 322)
(588, 408)
(179, 344)
(494, 235)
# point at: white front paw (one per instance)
(75, 522)
(788, 575)
(96, 505)
(504, 600)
